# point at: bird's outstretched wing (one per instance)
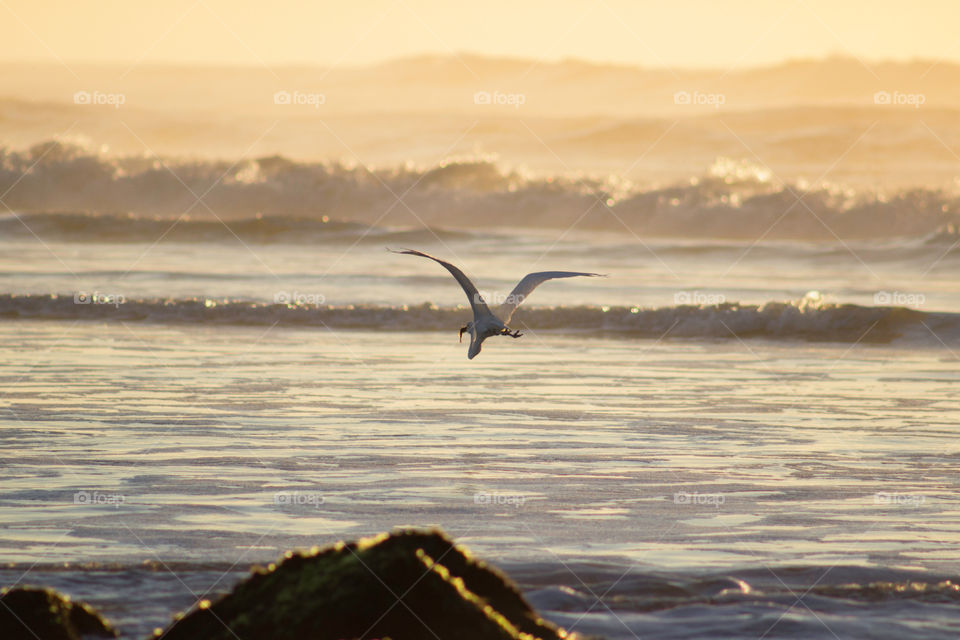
(530, 282)
(477, 302)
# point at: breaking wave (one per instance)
(773, 320)
(278, 195)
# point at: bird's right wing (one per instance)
(477, 302)
(530, 282)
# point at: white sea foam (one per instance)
(731, 200)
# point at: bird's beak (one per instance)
(462, 330)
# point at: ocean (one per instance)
(746, 429)
(697, 444)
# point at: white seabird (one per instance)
(485, 323)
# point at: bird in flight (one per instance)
(485, 323)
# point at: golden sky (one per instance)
(720, 33)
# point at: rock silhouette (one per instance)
(410, 585)
(28, 613)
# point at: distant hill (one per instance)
(448, 84)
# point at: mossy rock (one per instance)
(409, 585)
(43, 614)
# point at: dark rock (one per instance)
(410, 585)
(43, 614)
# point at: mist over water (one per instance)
(888, 126)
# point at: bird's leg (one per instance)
(515, 334)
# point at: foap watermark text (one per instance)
(899, 298)
(500, 499)
(699, 499)
(698, 298)
(699, 98)
(299, 98)
(898, 499)
(515, 100)
(298, 499)
(899, 99)
(99, 98)
(299, 298)
(98, 498)
(98, 297)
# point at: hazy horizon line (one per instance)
(462, 55)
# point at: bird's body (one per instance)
(482, 328)
(485, 323)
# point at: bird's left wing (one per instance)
(530, 282)
(477, 303)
